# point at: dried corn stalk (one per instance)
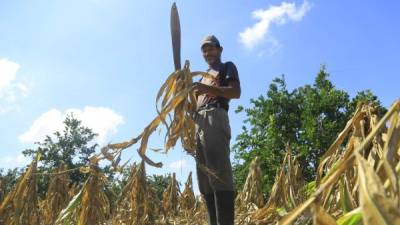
(359, 182)
(175, 104)
(378, 208)
(90, 206)
(196, 216)
(57, 196)
(94, 208)
(20, 206)
(250, 198)
(74, 190)
(285, 194)
(200, 210)
(187, 200)
(122, 214)
(140, 196)
(252, 189)
(170, 198)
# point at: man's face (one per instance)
(211, 54)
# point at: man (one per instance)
(213, 133)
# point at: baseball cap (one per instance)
(210, 40)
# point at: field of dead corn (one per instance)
(357, 182)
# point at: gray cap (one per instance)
(211, 40)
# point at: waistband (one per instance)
(212, 105)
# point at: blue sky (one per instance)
(104, 60)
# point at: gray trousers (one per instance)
(213, 135)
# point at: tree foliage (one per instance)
(8, 180)
(71, 147)
(308, 119)
(159, 183)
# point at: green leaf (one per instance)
(351, 218)
(66, 215)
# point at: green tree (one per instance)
(159, 183)
(366, 96)
(72, 147)
(8, 180)
(308, 119)
(323, 114)
(275, 111)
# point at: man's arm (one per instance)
(230, 91)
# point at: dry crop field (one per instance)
(357, 181)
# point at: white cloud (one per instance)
(103, 121)
(10, 87)
(46, 124)
(279, 15)
(177, 165)
(22, 88)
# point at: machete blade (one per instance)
(176, 36)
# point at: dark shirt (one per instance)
(225, 73)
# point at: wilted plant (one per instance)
(187, 200)
(175, 104)
(20, 206)
(140, 201)
(170, 198)
(57, 196)
(252, 189)
(90, 206)
(250, 198)
(123, 212)
(360, 182)
(286, 193)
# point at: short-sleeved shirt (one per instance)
(225, 73)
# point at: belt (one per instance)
(211, 105)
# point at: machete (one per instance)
(176, 36)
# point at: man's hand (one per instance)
(230, 91)
(200, 89)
